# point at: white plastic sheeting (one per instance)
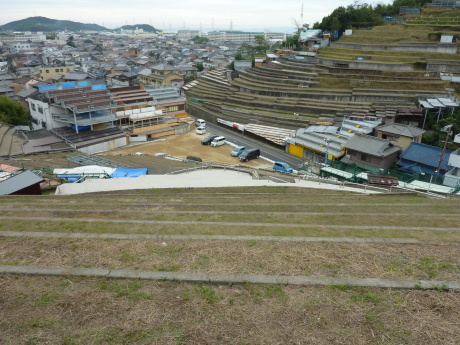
(88, 169)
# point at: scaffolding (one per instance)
(95, 160)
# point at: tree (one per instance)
(191, 77)
(12, 112)
(261, 45)
(200, 40)
(199, 66)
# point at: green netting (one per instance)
(374, 170)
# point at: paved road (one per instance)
(266, 151)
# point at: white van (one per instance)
(200, 123)
(219, 141)
(200, 130)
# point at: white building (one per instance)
(20, 47)
(243, 37)
(188, 34)
(29, 36)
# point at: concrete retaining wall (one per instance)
(196, 277)
(365, 65)
(443, 48)
(102, 147)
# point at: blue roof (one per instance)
(414, 168)
(426, 155)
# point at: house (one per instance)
(452, 177)
(400, 134)
(364, 150)
(162, 74)
(421, 158)
(48, 72)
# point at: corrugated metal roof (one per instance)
(18, 182)
(426, 155)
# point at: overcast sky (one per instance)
(176, 14)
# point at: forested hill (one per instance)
(48, 25)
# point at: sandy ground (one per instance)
(189, 144)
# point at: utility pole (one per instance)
(447, 129)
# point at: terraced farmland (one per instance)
(238, 236)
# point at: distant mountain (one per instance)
(48, 25)
(145, 27)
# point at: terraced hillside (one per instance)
(394, 64)
(222, 241)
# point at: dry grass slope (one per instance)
(64, 310)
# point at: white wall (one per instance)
(102, 147)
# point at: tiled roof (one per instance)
(426, 155)
(371, 145)
(401, 129)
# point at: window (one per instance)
(62, 69)
(40, 109)
(56, 70)
(176, 108)
(366, 158)
(32, 105)
(47, 71)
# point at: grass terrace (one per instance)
(78, 310)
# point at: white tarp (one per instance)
(88, 169)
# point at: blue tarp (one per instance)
(83, 83)
(129, 172)
(69, 85)
(99, 87)
(80, 127)
(45, 88)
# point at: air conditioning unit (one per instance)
(84, 95)
(87, 101)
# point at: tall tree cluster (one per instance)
(360, 14)
(12, 112)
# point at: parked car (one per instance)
(200, 123)
(200, 130)
(282, 167)
(208, 139)
(237, 151)
(219, 141)
(249, 154)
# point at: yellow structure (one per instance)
(49, 72)
(161, 74)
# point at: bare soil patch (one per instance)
(189, 144)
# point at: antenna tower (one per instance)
(231, 24)
(301, 15)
